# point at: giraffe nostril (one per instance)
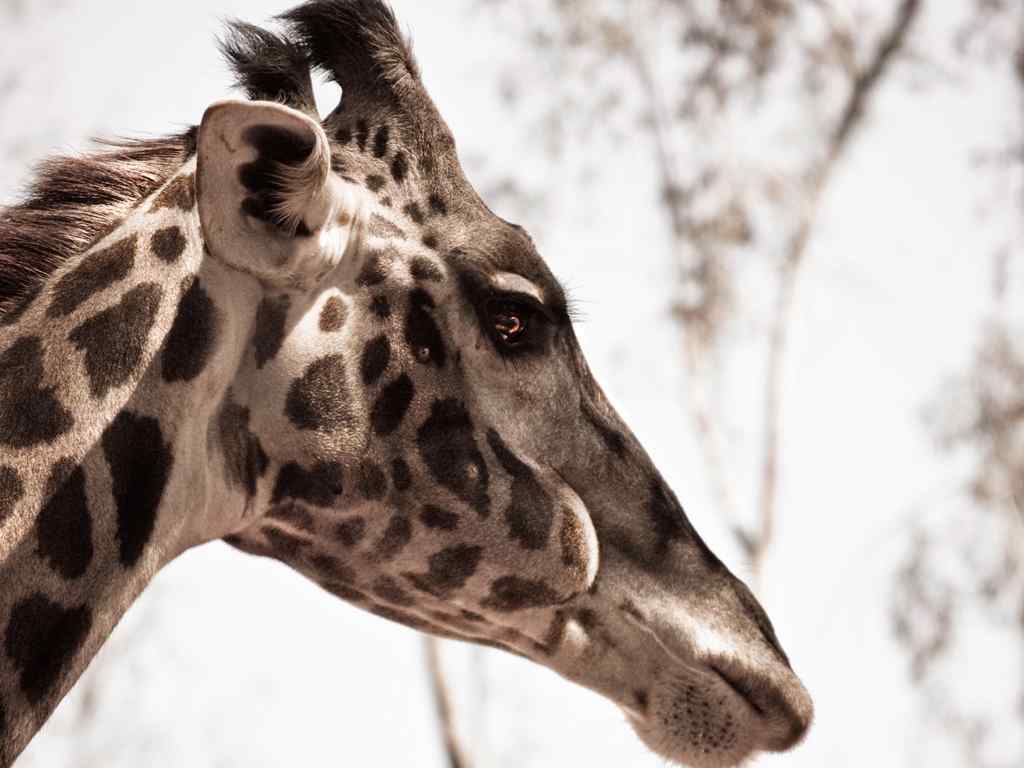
(775, 695)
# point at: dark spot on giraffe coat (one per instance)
(397, 534)
(401, 477)
(399, 167)
(401, 617)
(64, 526)
(375, 182)
(471, 616)
(381, 307)
(391, 405)
(345, 592)
(179, 193)
(319, 486)
(421, 330)
(42, 638)
(376, 356)
(512, 593)
(373, 483)
(168, 244)
(350, 532)
(640, 699)
(11, 491)
(333, 315)
(430, 240)
(193, 336)
(343, 134)
(140, 465)
(555, 634)
(434, 517)
(612, 438)
(447, 446)
(529, 514)
(268, 335)
(671, 524)
(320, 399)
(448, 569)
(386, 588)
(437, 205)
(244, 459)
(112, 365)
(96, 272)
(374, 270)
(380, 141)
(414, 212)
(19, 307)
(384, 229)
(29, 413)
(587, 619)
(285, 545)
(333, 568)
(362, 134)
(293, 515)
(618, 538)
(424, 270)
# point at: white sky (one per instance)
(233, 661)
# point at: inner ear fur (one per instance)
(265, 188)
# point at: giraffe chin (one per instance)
(697, 718)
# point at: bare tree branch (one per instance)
(852, 115)
(695, 320)
(443, 703)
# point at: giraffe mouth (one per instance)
(716, 710)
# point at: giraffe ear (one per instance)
(268, 202)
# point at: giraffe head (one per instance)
(414, 424)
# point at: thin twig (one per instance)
(443, 702)
(864, 85)
(673, 197)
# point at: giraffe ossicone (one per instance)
(312, 339)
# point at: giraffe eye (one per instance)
(510, 321)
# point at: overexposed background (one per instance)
(894, 572)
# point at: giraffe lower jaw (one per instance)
(713, 715)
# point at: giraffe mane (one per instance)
(76, 199)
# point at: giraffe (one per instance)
(311, 339)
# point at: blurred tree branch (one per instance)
(865, 82)
(725, 62)
(969, 575)
(454, 749)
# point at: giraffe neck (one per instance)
(121, 444)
